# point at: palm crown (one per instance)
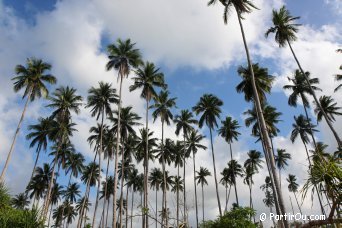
(210, 107)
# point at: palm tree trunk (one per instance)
(279, 177)
(274, 224)
(184, 187)
(126, 222)
(202, 203)
(50, 216)
(164, 177)
(300, 210)
(132, 208)
(231, 151)
(157, 208)
(291, 205)
(107, 212)
(145, 217)
(67, 188)
(122, 180)
(117, 151)
(105, 193)
(230, 187)
(264, 134)
(14, 138)
(194, 161)
(236, 195)
(177, 198)
(35, 165)
(99, 177)
(214, 164)
(338, 140)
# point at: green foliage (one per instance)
(236, 218)
(5, 198)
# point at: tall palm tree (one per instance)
(133, 184)
(155, 179)
(39, 135)
(248, 173)
(293, 187)
(32, 78)
(202, 174)
(225, 181)
(148, 77)
(163, 105)
(167, 181)
(82, 202)
(210, 108)
(100, 100)
(20, 201)
(193, 144)
(269, 202)
(106, 192)
(184, 122)
(178, 161)
(281, 160)
(263, 82)
(56, 195)
(235, 170)
(285, 30)
(329, 106)
(242, 7)
(70, 213)
(229, 131)
(123, 56)
(128, 120)
(64, 101)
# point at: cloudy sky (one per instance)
(193, 48)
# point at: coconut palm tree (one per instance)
(263, 82)
(20, 201)
(184, 122)
(128, 120)
(163, 105)
(56, 195)
(330, 108)
(235, 170)
(167, 181)
(69, 213)
(338, 77)
(58, 215)
(229, 131)
(82, 202)
(178, 159)
(281, 160)
(242, 7)
(225, 181)
(193, 144)
(269, 202)
(210, 108)
(123, 56)
(155, 179)
(202, 174)
(39, 135)
(293, 187)
(71, 192)
(248, 173)
(32, 78)
(106, 192)
(133, 184)
(148, 77)
(100, 100)
(285, 30)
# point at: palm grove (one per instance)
(123, 138)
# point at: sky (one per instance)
(197, 53)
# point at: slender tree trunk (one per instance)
(300, 210)
(50, 215)
(105, 193)
(107, 212)
(164, 207)
(214, 164)
(291, 205)
(99, 177)
(177, 198)
(230, 187)
(225, 207)
(236, 195)
(2, 177)
(184, 187)
(126, 221)
(145, 217)
(132, 208)
(264, 134)
(274, 224)
(202, 203)
(117, 151)
(122, 180)
(66, 188)
(194, 161)
(279, 177)
(157, 208)
(35, 165)
(338, 140)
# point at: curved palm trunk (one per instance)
(164, 203)
(338, 140)
(264, 134)
(184, 187)
(117, 152)
(105, 193)
(35, 165)
(14, 138)
(145, 217)
(194, 161)
(214, 164)
(236, 195)
(99, 177)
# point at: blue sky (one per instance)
(189, 42)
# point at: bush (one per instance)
(236, 218)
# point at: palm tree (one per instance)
(183, 123)
(201, 179)
(209, 105)
(20, 201)
(269, 202)
(281, 160)
(285, 33)
(70, 213)
(133, 184)
(241, 7)
(106, 192)
(235, 170)
(148, 77)
(56, 194)
(39, 135)
(225, 181)
(64, 101)
(128, 120)
(178, 159)
(263, 82)
(72, 192)
(293, 187)
(162, 105)
(229, 131)
(338, 77)
(330, 108)
(122, 57)
(167, 181)
(100, 100)
(155, 179)
(82, 201)
(58, 215)
(248, 174)
(193, 144)
(32, 78)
